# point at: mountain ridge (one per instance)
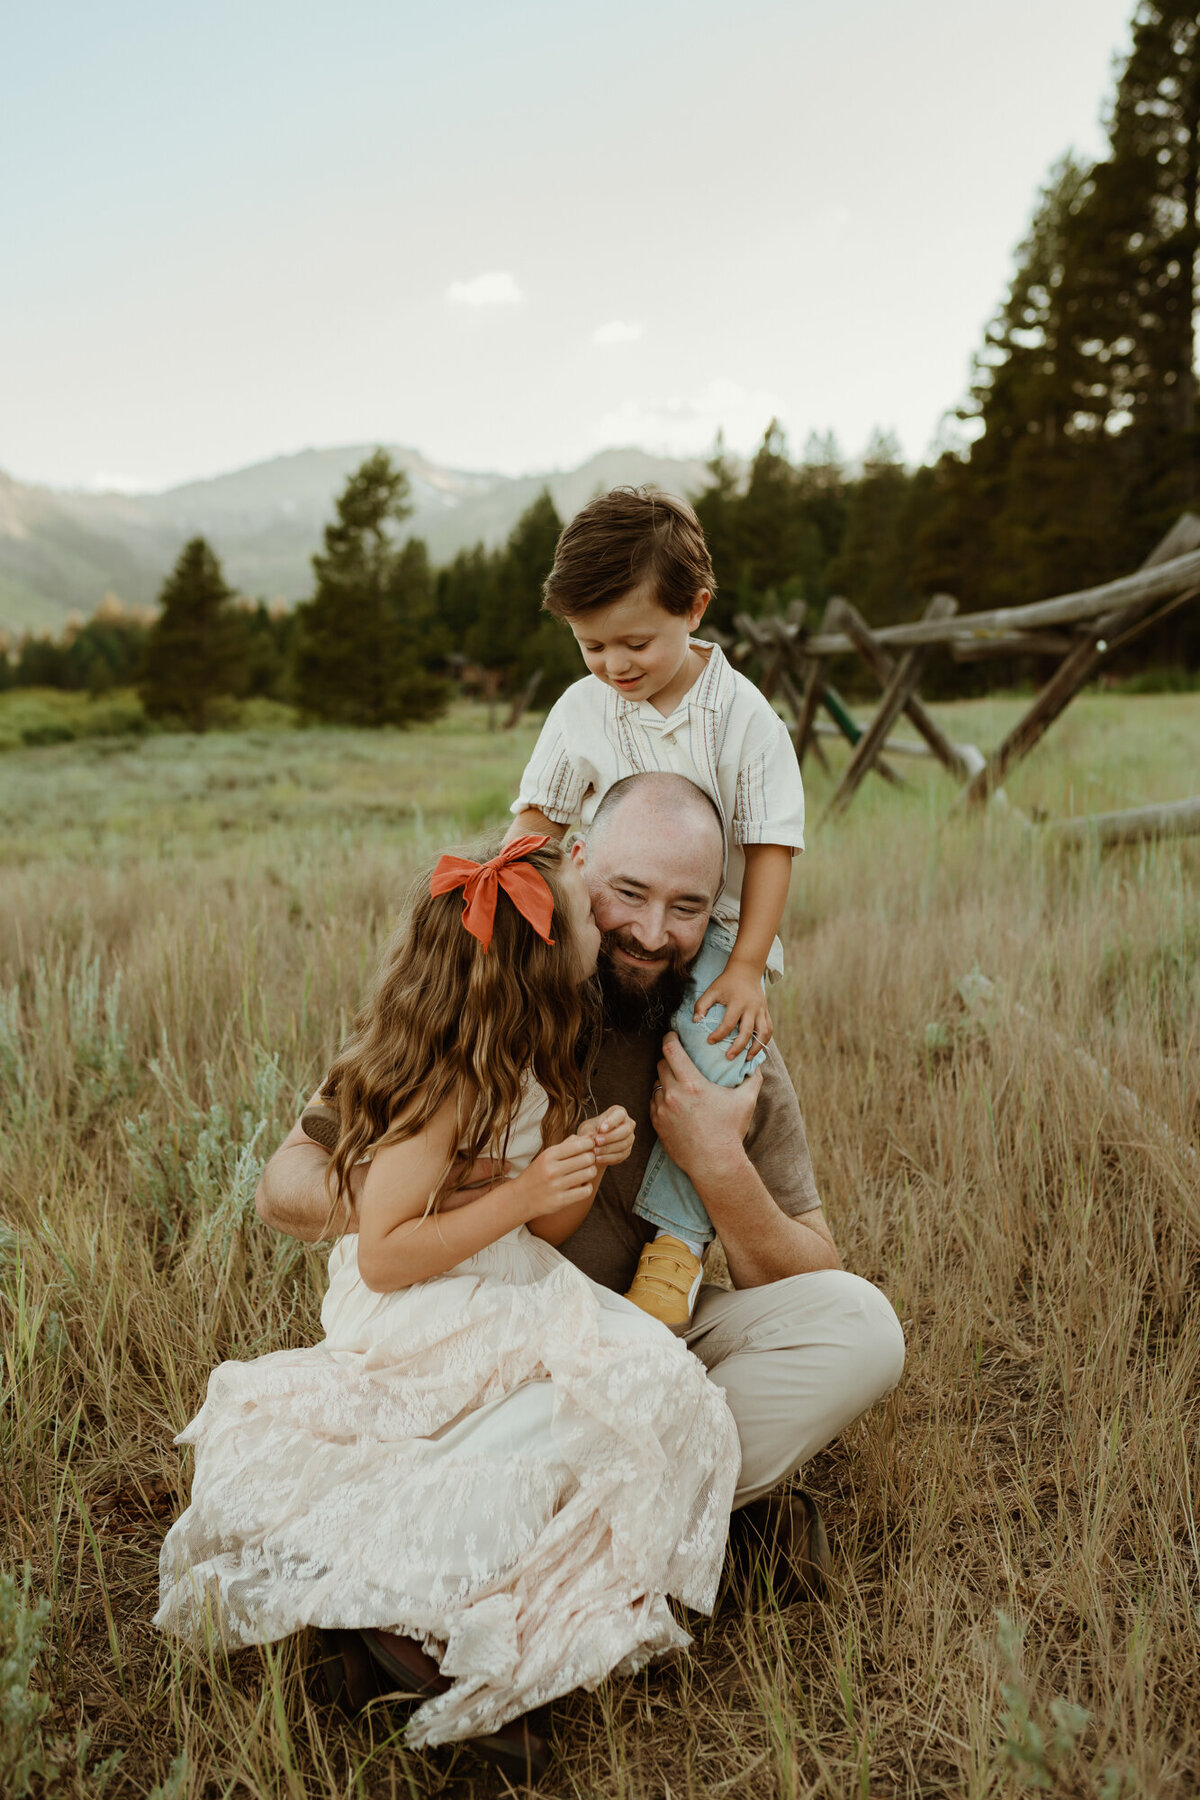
(62, 550)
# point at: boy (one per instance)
(632, 577)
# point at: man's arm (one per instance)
(702, 1127)
(293, 1197)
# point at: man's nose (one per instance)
(649, 928)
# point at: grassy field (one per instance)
(996, 1045)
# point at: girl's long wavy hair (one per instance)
(447, 1018)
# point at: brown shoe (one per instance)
(404, 1666)
(398, 1665)
(782, 1537)
(322, 1124)
(516, 1750)
(350, 1677)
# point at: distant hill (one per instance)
(61, 551)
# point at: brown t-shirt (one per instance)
(610, 1240)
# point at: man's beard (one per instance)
(634, 1006)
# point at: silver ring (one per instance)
(657, 1088)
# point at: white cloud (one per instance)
(618, 331)
(687, 425)
(498, 288)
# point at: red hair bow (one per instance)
(481, 882)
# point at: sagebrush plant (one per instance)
(33, 1759)
(185, 930)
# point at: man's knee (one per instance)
(875, 1337)
(854, 1324)
(799, 1360)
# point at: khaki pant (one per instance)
(799, 1360)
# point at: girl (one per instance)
(487, 1452)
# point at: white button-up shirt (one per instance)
(723, 735)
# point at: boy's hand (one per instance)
(562, 1175)
(739, 990)
(612, 1134)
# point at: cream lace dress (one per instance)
(508, 1462)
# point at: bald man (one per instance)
(800, 1346)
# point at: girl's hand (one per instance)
(562, 1175)
(612, 1134)
(739, 990)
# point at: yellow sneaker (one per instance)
(667, 1280)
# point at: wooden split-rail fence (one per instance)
(1078, 632)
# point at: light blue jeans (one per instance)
(666, 1197)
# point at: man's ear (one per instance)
(578, 852)
(699, 608)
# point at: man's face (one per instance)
(652, 884)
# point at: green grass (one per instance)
(185, 924)
(178, 794)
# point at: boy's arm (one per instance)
(739, 987)
(529, 821)
(555, 773)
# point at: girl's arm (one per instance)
(399, 1243)
(739, 988)
(530, 822)
(612, 1135)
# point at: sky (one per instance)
(510, 233)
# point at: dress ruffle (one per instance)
(508, 1463)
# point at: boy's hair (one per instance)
(623, 539)
(449, 1019)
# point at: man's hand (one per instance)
(612, 1134)
(738, 988)
(700, 1125)
(563, 1175)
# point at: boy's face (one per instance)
(637, 646)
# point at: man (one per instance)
(799, 1346)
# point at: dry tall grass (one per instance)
(183, 928)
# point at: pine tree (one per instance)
(821, 487)
(1134, 287)
(869, 568)
(1084, 394)
(463, 592)
(268, 643)
(362, 650)
(718, 508)
(512, 633)
(195, 650)
(781, 553)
